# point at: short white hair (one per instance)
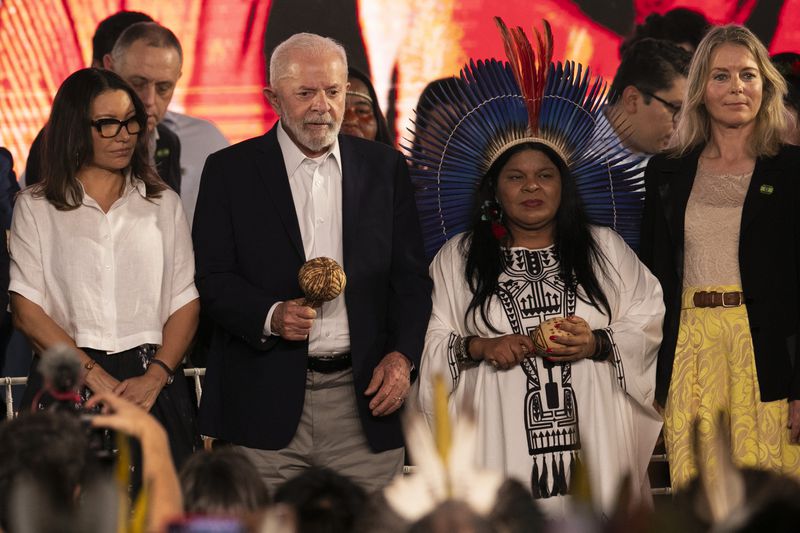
(309, 43)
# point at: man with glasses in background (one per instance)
(647, 94)
(154, 51)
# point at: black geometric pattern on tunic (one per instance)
(452, 361)
(531, 292)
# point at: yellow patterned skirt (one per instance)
(714, 370)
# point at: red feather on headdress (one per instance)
(531, 74)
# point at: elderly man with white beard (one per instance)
(291, 385)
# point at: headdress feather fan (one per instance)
(497, 105)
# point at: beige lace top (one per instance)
(712, 223)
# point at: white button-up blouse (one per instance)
(110, 280)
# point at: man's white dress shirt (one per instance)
(316, 186)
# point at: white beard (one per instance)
(315, 142)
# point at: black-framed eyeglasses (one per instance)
(110, 127)
(669, 105)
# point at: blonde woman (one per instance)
(720, 231)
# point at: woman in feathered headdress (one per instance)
(515, 190)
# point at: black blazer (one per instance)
(769, 261)
(248, 251)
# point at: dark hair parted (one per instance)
(68, 138)
(650, 65)
(222, 482)
(575, 246)
(109, 30)
(50, 448)
(323, 500)
(680, 25)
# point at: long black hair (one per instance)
(68, 138)
(575, 246)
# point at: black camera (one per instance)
(63, 391)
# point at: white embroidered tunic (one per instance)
(536, 419)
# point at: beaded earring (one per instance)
(492, 213)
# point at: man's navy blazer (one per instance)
(248, 251)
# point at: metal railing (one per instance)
(195, 374)
(9, 382)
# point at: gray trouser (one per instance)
(330, 435)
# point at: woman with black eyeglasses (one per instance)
(101, 256)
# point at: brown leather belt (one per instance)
(718, 299)
(329, 364)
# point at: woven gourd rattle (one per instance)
(321, 280)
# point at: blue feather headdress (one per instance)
(497, 105)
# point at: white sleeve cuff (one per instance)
(267, 328)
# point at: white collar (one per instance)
(132, 183)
